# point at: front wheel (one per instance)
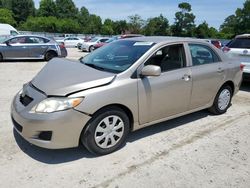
(106, 131)
(91, 48)
(222, 100)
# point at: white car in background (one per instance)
(71, 41)
(239, 48)
(89, 46)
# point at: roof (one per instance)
(159, 39)
(243, 36)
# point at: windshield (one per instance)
(118, 56)
(110, 40)
(94, 40)
(239, 43)
(4, 38)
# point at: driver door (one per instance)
(168, 94)
(17, 48)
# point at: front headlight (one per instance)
(56, 104)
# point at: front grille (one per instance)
(25, 100)
(17, 125)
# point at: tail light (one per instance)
(242, 67)
(226, 49)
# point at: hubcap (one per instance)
(224, 99)
(109, 131)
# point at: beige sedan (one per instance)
(124, 86)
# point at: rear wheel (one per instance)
(106, 131)
(50, 55)
(222, 100)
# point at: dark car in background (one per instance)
(31, 47)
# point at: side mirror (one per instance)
(151, 70)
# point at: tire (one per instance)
(222, 100)
(91, 48)
(49, 55)
(1, 58)
(98, 136)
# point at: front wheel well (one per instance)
(230, 84)
(122, 107)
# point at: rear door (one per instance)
(169, 93)
(207, 74)
(37, 46)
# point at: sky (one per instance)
(212, 11)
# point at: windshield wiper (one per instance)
(94, 66)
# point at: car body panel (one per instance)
(241, 52)
(26, 50)
(149, 99)
(73, 71)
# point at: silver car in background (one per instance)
(124, 86)
(239, 48)
(31, 47)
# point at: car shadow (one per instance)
(57, 156)
(167, 125)
(245, 86)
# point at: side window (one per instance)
(169, 58)
(103, 40)
(202, 54)
(17, 40)
(34, 40)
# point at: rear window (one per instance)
(239, 43)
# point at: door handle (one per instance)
(220, 70)
(186, 77)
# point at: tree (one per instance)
(66, 9)
(45, 24)
(120, 27)
(135, 23)
(107, 27)
(157, 26)
(95, 24)
(83, 18)
(204, 31)
(47, 8)
(22, 9)
(237, 23)
(184, 21)
(6, 16)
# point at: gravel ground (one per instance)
(197, 150)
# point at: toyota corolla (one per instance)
(124, 86)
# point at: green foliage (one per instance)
(120, 27)
(238, 23)
(22, 9)
(157, 26)
(107, 28)
(135, 23)
(204, 31)
(6, 16)
(51, 24)
(94, 25)
(184, 21)
(66, 9)
(47, 8)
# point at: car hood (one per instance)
(61, 77)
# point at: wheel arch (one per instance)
(230, 84)
(115, 105)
